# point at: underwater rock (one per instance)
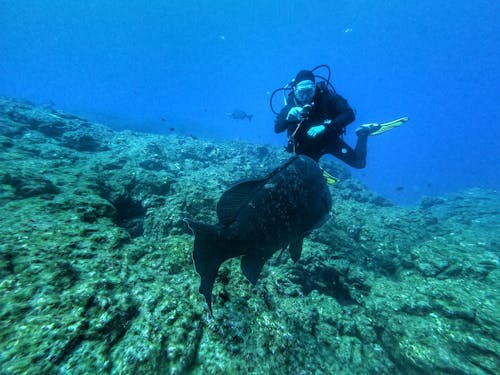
(429, 202)
(152, 165)
(53, 129)
(82, 141)
(96, 273)
(30, 185)
(6, 142)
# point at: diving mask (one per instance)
(304, 91)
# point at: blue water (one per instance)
(161, 65)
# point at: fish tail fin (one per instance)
(208, 255)
(250, 117)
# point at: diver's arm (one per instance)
(281, 123)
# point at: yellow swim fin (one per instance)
(330, 180)
(386, 126)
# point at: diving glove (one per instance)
(294, 114)
(315, 131)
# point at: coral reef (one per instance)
(96, 273)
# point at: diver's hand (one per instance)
(294, 114)
(315, 131)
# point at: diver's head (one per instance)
(305, 87)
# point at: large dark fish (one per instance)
(259, 217)
(238, 114)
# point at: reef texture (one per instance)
(96, 273)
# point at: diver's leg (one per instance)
(355, 158)
(313, 153)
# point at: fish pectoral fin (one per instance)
(295, 249)
(251, 267)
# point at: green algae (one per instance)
(96, 273)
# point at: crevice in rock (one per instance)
(328, 282)
(129, 215)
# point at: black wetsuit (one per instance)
(327, 106)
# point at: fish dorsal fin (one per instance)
(232, 201)
(235, 198)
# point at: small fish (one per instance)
(400, 188)
(260, 217)
(239, 115)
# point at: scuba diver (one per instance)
(315, 118)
